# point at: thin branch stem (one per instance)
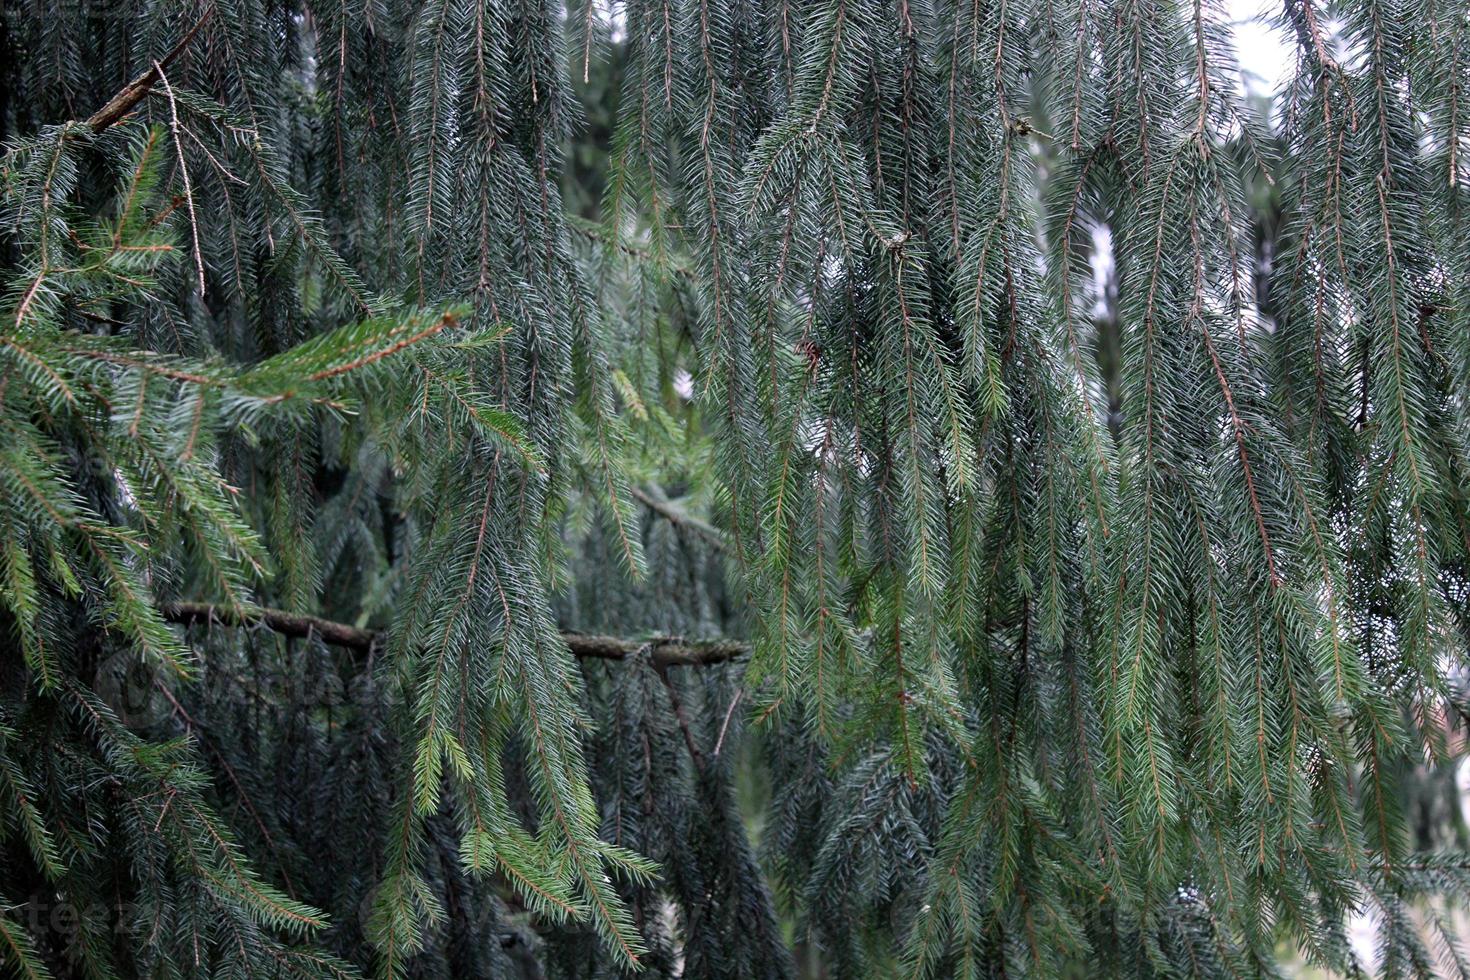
(678, 705)
(677, 516)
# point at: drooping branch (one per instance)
(666, 651)
(678, 705)
(1303, 16)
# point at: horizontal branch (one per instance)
(666, 651)
(285, 623)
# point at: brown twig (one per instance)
(137, 90)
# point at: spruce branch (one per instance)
(679, 517)
(677, 703)
(1095, 505)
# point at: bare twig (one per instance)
(137, 90)
(725, 725)
(173, 113)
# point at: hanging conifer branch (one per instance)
(1076, 525)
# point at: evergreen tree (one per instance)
(731, 532)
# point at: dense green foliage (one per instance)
(730, 529)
